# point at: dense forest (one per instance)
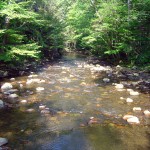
(31, 30)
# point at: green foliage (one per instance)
(111, 28)
(19, 53)
(28, 30)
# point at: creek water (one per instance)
(73, 94)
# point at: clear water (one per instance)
(73, 95)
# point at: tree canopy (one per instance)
(115, 30)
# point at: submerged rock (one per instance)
(1, 104)
(93, 121)
(3, 141)
(6, 87)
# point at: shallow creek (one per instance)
(73, 94)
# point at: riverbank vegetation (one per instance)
(118, 31)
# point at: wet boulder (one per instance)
(6, 87)
(133, 120)
(125, 117)
(12, 98)
(3, 141)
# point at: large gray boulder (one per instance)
(6, 86)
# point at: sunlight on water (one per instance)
(72, 94)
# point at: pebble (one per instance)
(21, 85)
(42, 81)
(32, 76)
(3, 141)
(23, 101)
(91, 118)
(39, 88)
(119, 86)
(129, 90)
(119, 67)
(137, 109)
(106, 80)
(92, 121)
(97, 65)
(30, 110)
(129, 100)
(121, 98)
(12, 79)
(120, 90)
(41, 107)
(45, 111)
(147, 113)
(80, 66)
(134, 93)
